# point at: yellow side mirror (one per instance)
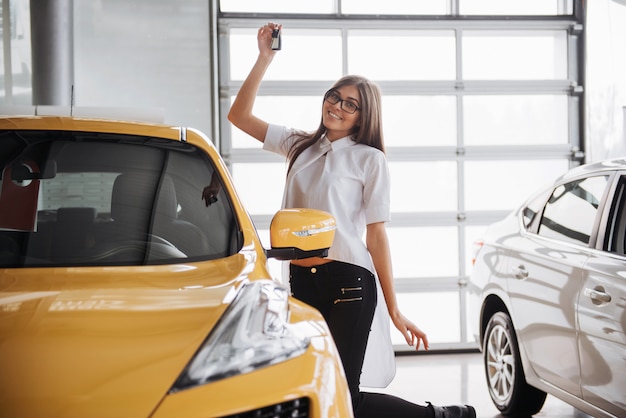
(301, 233)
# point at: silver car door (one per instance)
(546, 277)
(602, 313)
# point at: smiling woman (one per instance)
(341, 168)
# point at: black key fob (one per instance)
(276, 40)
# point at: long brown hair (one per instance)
(368, 129)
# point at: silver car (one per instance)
(548, 296)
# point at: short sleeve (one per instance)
(276, 139)
(376, 191)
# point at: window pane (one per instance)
(401, 7)
(423, 186)
(260, 186)
(419, 120)
(515, 7)
(300, 48)
(402, 55)
(514, 55)
(504, 185)
(532, 209)
(515, 120)
(436, 313)
(571, 210)
(278, 6)
(133, 54)
(299, 112)
(424, 251)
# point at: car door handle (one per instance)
(598, 295)
(520, 272)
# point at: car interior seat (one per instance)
(140, 206)
(74, 233)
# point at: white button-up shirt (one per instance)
(346, 179)
(351, 182)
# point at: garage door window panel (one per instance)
(515, 7)
(424, 252)
(299, 112)
(415, 121)
(515, 120)
(514, 55)
(306, 46)
(429, 55)
(500, 185)
(423, 186)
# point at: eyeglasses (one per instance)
(347, 106)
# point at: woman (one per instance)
(342, 169)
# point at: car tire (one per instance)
(504, 372)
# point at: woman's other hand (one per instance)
(412, 334)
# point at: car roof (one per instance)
(69, 123)
(599, 166)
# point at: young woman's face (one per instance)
(338, 121)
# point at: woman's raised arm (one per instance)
(240, 113)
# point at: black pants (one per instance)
(345, 295)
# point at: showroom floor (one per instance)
(447, 379)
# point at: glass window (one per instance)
(425, 310)
(424, 251)
(400, 7)
(300, 48)
(503, 185)
(260, 186)
(532, 209)
(136, 54)
(78, 190)
(423, 186)
(402, 55)
(299, 112)
(515, 120)
(412, 121)
(515, 7)
(570, 212)
(615, 241)
(121, 200)
(278, 6)
(514, 55)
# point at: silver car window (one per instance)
(570, 212)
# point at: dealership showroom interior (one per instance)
(493, 225)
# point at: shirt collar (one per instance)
(337, 144)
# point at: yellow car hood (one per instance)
(104, 341)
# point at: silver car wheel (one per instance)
(500, 364)
(504, 372)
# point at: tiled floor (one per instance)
(449, 379)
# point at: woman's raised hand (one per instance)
(264, 37)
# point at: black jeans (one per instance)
(345, 294)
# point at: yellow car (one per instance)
(133, 282)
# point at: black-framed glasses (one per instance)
(347, 106)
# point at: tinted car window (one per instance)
(102, 199)
(616, 234)
(570, 212)
(532, 209)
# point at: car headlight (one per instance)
(253, 332)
